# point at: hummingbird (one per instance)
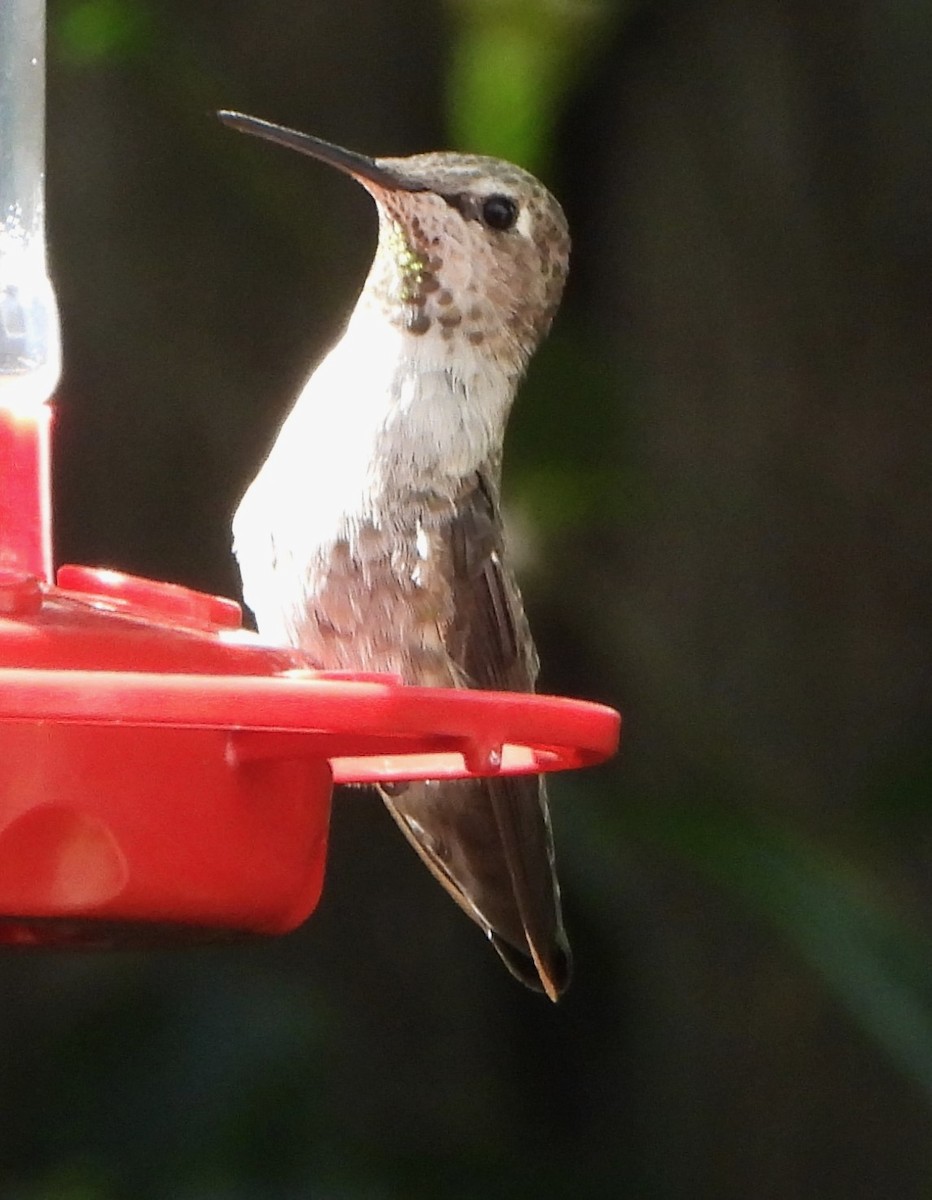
(372, 536)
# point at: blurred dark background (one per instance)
(718, 481)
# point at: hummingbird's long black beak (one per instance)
(358, 165)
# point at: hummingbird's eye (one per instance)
(499, 212)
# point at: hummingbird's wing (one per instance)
(488, 841)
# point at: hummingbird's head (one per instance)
(473, 251)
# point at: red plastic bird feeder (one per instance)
(164, 774)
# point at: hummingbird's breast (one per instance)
(342, 538)
(379, 598)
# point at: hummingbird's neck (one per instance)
(431, 407)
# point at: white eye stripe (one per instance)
(524, 223)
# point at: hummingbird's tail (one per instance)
(488, 842)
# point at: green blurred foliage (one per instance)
(831, 909)
(564, 407)
(89, 33)
(513, 64)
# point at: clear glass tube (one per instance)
(30, 346)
